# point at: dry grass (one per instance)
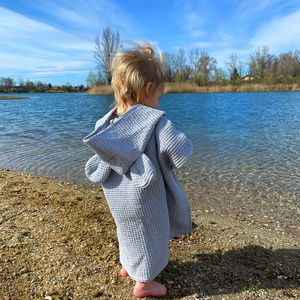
(103, 89)
(227, 87)
(189, 87)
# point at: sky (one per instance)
(53, 41)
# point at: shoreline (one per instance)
(59, 240)
(257, 206)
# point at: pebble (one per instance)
(24, 271)
(96, 293)
(280, 277)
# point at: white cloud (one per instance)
(65, 72)
(29, 65)
(73, 14)
(280, 35)
(18, 29)
(189, 18)
(29, 45)
(249, 9)
(55, 32)
(91, 15)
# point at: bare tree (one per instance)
(242, 68)
(236, 68)
(29, 86)
(231, 65)
(260, 62)
(219, 75)
(296, 63)
(169, 66)
(288, 64)
(21, 83)
(194, 59)
(186, 72)
(6, 84)
(180, 62)
(206, 64)
(104, 50)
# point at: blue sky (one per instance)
(53, 41)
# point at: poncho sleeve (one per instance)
(174, 146)
(96, 170)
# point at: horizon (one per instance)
(53, 41)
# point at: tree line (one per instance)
(199, 66)
(196, 66)
(9, 85)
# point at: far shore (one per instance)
(184, 87)
(187, 87)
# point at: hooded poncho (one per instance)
(134, 159)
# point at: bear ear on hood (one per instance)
(96, 169)
(142, 171)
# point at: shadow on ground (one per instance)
(246, 269)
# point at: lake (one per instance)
(246, 160)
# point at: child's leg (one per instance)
(123, 272)
(152, 288)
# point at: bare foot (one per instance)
(152, 288)
(123, 272)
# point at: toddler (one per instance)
(136, 149)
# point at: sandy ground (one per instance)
(58, 241)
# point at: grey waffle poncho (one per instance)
(135, 155)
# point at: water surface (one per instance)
(246, 161)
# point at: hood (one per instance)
(120, 144)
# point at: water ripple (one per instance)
(247, 145)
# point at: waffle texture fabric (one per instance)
(134, 159)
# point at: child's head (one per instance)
(136, 74)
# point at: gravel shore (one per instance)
(58, 241)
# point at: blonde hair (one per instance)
(132, 70)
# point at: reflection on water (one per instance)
(247, 145)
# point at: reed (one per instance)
(229, 87)
(190, 87)
(101, 89)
